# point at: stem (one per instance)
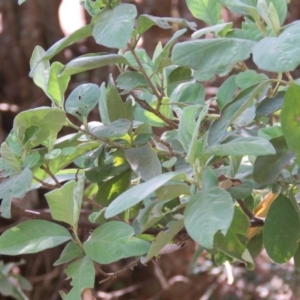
(146, 106)
(289, 76)
(105, 141)
(254, 221)
(245, 208)
(142, 70)
(48, 171)
(116, 274)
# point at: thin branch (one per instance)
(105, 141)
(48, 171)
(289, 76)
(146, 106)
(245, 208)
(142, 70)
(254, 221)
(117, 273)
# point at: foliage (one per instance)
(203, 176)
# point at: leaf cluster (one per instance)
(223, 170)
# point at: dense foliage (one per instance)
(202, 174)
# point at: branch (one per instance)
(142, 70)
(146, 106)
(254, 221)
(117, 273)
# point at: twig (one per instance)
(142, 70)
(116, 274)
(254, 221)
(148, 107)
(48, 171)
(158, 140)
(105, 141)
(245, 208)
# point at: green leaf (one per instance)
(297, 259)
(144, 161)
(226, 91)
(278, 54)
(82, 272)
(165, 53)
(65, 203)
(149, 215)
(117, 128)
(57, 85)
(83, 100)
(281, 230)
(230, 244)
(188, 92)
(177, 76)
(112, 28)
(281, 9)
(209, 178)
(171, 190)
(270, 105)
(212, 56)
(32, 236)
(39, 69)
(9, 158)
(232, 110)
(242, 7)
(242, 146)
(241, 191)
(31, 159)
(70, 252)
(248, 78)
(139, 193)
(57, 164)
(187, 126)
(79, 34)
(103, 105)
(163, 238)
(270, 132)
(222, 28)
(113, 187)
(145, 22)
(113, 241)
(14, 187)
(255, 245)
(290, 118)
(116, 108)
(208, 11)
(91, 61)
(129, 81)
(208, 212)
(35, 126)
(268, 167)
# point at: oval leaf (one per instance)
(144, 161)
(281, 230)
(82, 100)
(268, 167)
(113, 241)
(32, 236)
(113, 27)
(34, 126)
(206, 213)
(139, 193)
(290, 117)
